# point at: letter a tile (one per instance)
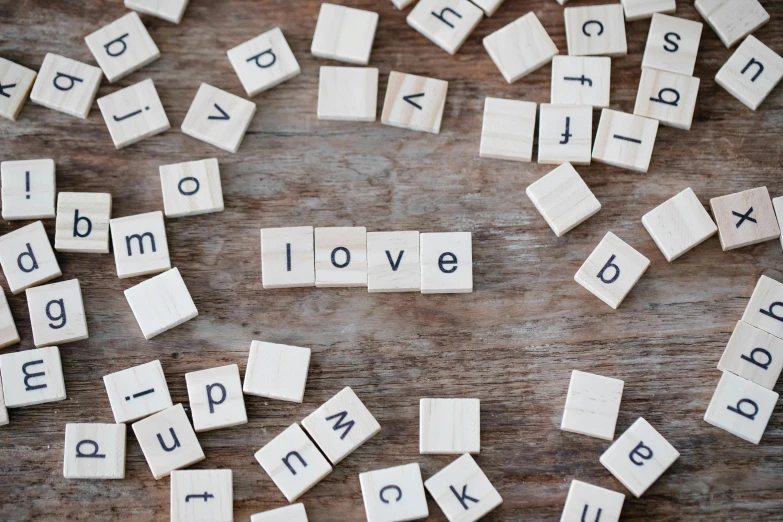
(133, 113)
(263, 62)
(745, 218)
(218, 118)
(66, 85)
(122, 47)
(32, 377)
(462, 491)
(414, 102)
(94, 451)
(57, 313)
(27, 257)
(168, 441)
(588, 502)
(751, 72)
(394, 494)
(741, 407)
(202, 495)
(15, 84)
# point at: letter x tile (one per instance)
(745, 218)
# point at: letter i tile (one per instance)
(462, 491)
(202, 495)
(133, 113)
(741, 407)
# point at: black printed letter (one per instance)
(765, 312)
(609, 264)
(93, 455)
(399, 493)
(752, 358)
(71, 79)
(675, 45)
(339, 424)
(188, 192)
(638, 451)
(28, 376)
(173, 446)
(76, 219)
(596, 22)
(738, 409)
(660, 99)
(289, 466)
(442, 18)
(116, 41)
(210, 400)
(347, 257)
(257, 57)
(464, 497)
(760, 70)
(140, 238)
(29, 254)
(61, 317)
(450, 260)
(584, 514)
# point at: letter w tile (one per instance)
(339, 424)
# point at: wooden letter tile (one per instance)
(94, 451)
(218, 118)
(293, 462)
(520, 48)
(344, 34)
(394, 494)
(565, 134)
(589, 502)
(15, 84)
(133, 113)
(765, 308)
(82, 222)
(137, 392)
(741, 407)
(32, 377)
(340, 256)
(592, 405)
(216, 399)
(563, 199)
(449, 426)
(169, 10)
(640, 9)
(263, 62)
(446, 262)
(66, 85)
(340, 425)
(122, 47)
(625, 140)
(277, 371)
(414, 102)
(202, 495)
(672, 44)
(168, 441)
(612, 270)
(28, 189)
(140, 245)
(679, 224)
(161, 303)
(508, 129)
(581, 80)
(667, 97)
(751, 72)
(462, 491)
(745, 218)
(27, 257)
(446, 23)
(754, 355)
(348, 93)
(393, 262)
(191, 188)
(3, 410)
(57, 313)
(8, 333)
(597, 30)
(287, 257)
(488, 6)
(639, 457)
(732, 20)
(292, 513)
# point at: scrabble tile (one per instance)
(348, 93)
(293, 462)
(344, 34)
(122, 47)
(140, 245)
(133, 113)
(741, 407)
(393, 263)
(581, 80)
(15, 84)
(592, 405)
(488, 6)
(169, 10)
(462, 491)
(672, 44)
(508, 129)
(32, 377)
(94, 451)
(732, 20)
(625, 140)
(449, 426)
(679, 224)
(639, 457)
(191, 188)
(446, 262)
(216, 399)
(520, 47)
(414, 102)
(340, 425)
(565, 134)
(612, 270)
(292, 513)
(57, 313)
(401, 4)
(667, 97)
(264, 62)
(168, 441)
(137, 392)
(597, 30)
(218, 118)
(28, 189)
(777, 203)
(745, 218)
(82, 222)
(3, 410)
(641, 9)
(584, 500)
(27, 257)
(202, 495)
(8, 333)
(287, 257)
(66, 85)
(394, 494)
(765, 308)
(446, 23)
(277, 371)
(563, 199)
(754, 355)
(340, 256)
(751, 72)
(161, 303)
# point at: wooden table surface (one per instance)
(511, 343)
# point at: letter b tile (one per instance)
(168, 441)
(587, 502)
(741, 407)
(57, 313)
(202, 495)
(462, 491)
(765, 309)
(32, 377)
(82, 222)
(94, 451)
(394, 494)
